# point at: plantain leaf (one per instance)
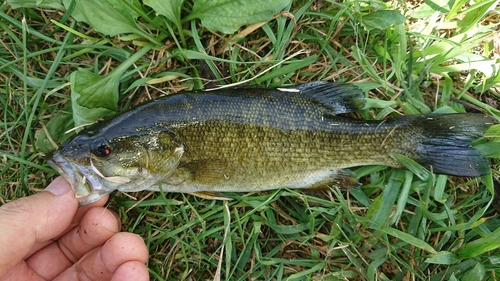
(382, 19)
(93, 96)
(229, 15)
(110, 17)
(76, 14)
(61, 121)
(52, 4)
(170, 9)
(432, 6)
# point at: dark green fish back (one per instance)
(288, 109)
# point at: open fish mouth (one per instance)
(75, 175)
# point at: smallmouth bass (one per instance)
(255, 139)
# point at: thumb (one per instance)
(34, 219)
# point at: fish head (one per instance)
(95, 165)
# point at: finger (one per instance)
(33, 219)
(80, 212)
(132, 270)
(83, 209)
(104, 262)
(96, 227)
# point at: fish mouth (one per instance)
(74, 174)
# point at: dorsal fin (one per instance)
(337, 98)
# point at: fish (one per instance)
(255, 139)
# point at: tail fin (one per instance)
(446, 143)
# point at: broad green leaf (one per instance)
(382, 19)
(52, 4)
(85, 116)
(493, 132)
(111, 17)
(432, 6)
(423, 11)
(229, 15)
(55, 131)
(76, 13)
(171, 9)
(95, 90)
(93, 96)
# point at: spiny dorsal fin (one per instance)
(338, 98)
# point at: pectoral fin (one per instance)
(203, 172)
(206, 172)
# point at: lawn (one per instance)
(64, 65)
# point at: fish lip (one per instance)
(71, 174)
(83, 183)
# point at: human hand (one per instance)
(48, 237)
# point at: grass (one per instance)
(401, 225)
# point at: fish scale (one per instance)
(282, 152)
(254, 139)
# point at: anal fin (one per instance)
(344, 179)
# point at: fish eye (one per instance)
(100, 148)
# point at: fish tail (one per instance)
(445, 144)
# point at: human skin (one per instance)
(47, 236)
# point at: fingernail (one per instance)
(58, 187)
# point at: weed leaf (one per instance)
(53, 4)
(229, 15)
(110, 17)
(382, 19)
(431, 6)
(170, 9)
(61, 121)
(93, 96)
